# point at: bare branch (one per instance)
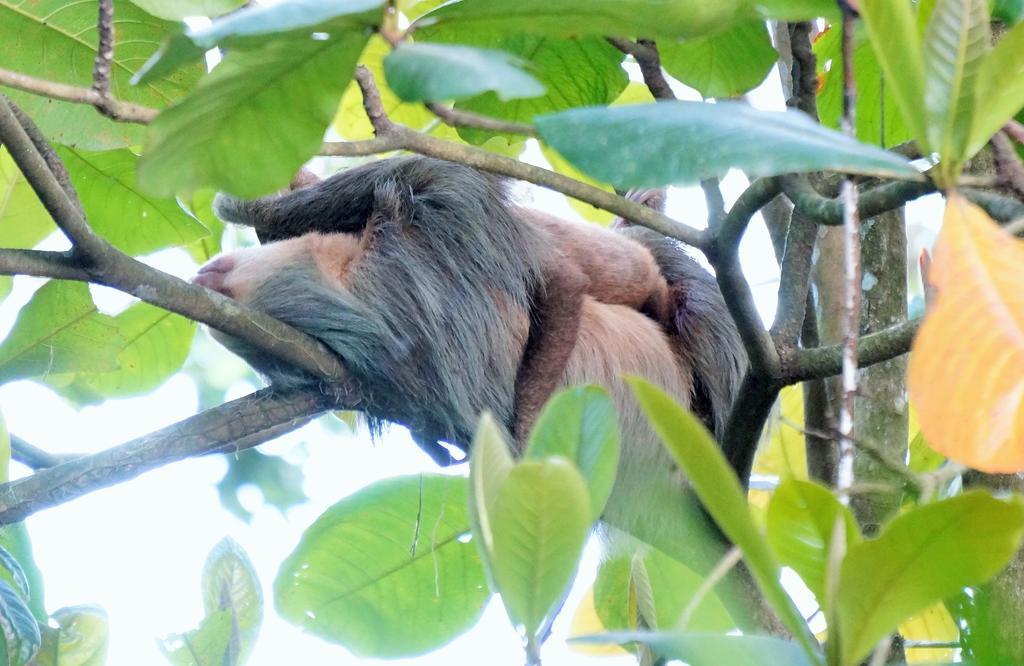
(54, 162)
(724, 256)
(872, 348)
(125, 112)
(42, 263)
(1008, 163)
(460, 118)
(238, 424)
(851, 265)
(794, 281)
(35, 458)
(870, 203)
(104, 58)
(47, 186)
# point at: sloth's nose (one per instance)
(213, 274)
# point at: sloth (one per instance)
(443, 300)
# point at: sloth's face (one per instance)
(238, 274)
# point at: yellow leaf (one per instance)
(966, 374)
(933, 625)
(585, 622)
(784, 453)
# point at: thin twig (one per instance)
(35, 458)
(104, 59)
(459, 118)
(1015, 130)
(851, 266)
(125, 112)
(42, 263)
(724, 566)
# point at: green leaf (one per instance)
(797, 10)
(697, 454)
(489, 465)
(230, 584)
(59, 330)
(581, 424)
(176, 10)
(200, 206)
(15, 539)
(893, 33)
(575, 72)
(259, 26)
(134, 222)
(80, 640)
(878, 116)
(710, 649)
(218, 136)
(1000, 92)
(13, 574)
(276, 479)
(20, 631)
(387, 572)
(437, 72)
(921, 557)
(695, 140)
(955, 43)
(672, 588)
(154, 346)
(1009, 12)
(570, 18)
(541, 517)
(209, 645)
(801, 517)
(56, 40)
(23, 220)
(726, 64)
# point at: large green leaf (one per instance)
(955, 43)
(176, 10)
(797, 10)
(59, 330)
(921, 557)
(694, 140)
(1000, 92)
(581, 424)
(541, 517)
(801, 517)
(711, 649)
(697, 454)
(229, 134)
(387, 572)
(1009, 12)
(23, 220)
(259, 26)
(438, 72)
(20, 633)
(230, 583)
(80, 640)
(155, 344)
(725, 64)
(489, 465)
(878, 117)
(893, 33)
(134, 222)
(569, 18)
(576, 72)
(277, 480)
(56, 40)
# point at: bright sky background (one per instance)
(137, 549)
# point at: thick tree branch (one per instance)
(749, 412)
(872, 348)
(794, 282)
(54, 162)
(723, 254)
(870, 203)
(235, 425)
(125, 112)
